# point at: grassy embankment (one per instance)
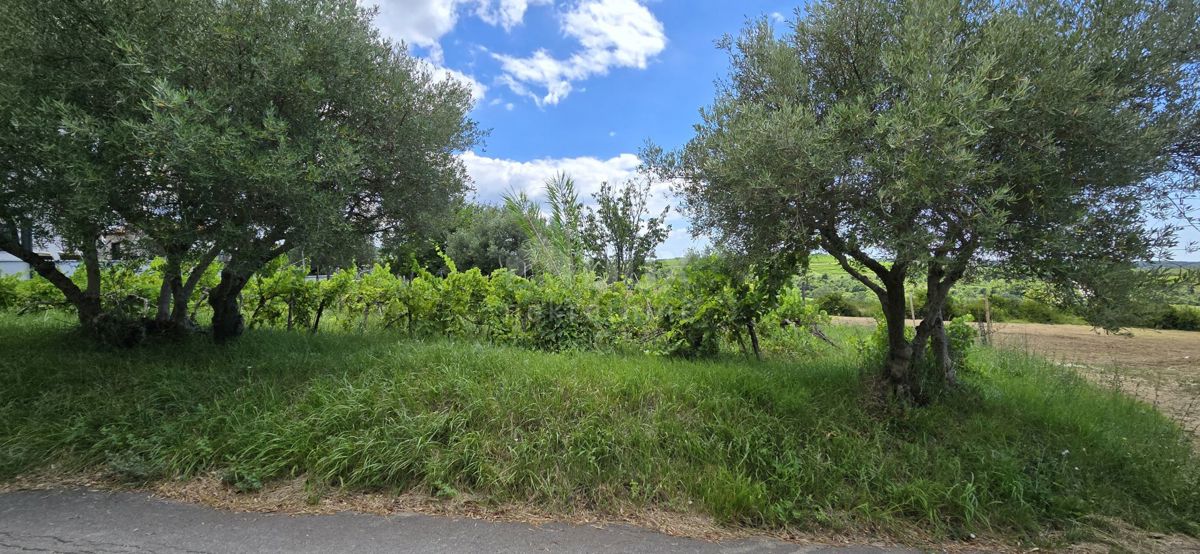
(1028, 447)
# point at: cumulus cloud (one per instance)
(422, 23)
(417, 22)
(611, 33)
(494, 177)
(505, 13)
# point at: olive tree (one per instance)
(63, 95)
(489, 238)
(243, 127)
(923, 138)
(319, 129)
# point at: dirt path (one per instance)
(1159, 367)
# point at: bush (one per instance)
(950, 311)
(557, 318)
(9, 285)
(1180, 318)
(962, 336)
(836, 303)
(38, 295)
(1009, 308)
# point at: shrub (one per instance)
(836, 303)
(1181, 318)
(950, 311)
(961, 335)
(1009, 308)
(9, 297)
(558, 315)
(37, 295)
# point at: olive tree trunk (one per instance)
(86, 301)
(225, 300)
(906, 359)
(898, 365)
(179, 311)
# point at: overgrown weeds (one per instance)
(1026, 447)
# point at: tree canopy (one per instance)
(919, 139)
(489, 238)
(247, 127)
(621, 233)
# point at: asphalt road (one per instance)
(120, 522)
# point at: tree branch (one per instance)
(858, 275)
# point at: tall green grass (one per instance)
(1025, 447)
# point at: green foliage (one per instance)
(556, 318)
(620, 235)
(720, 298)
(1016, 308)
(491, 238)
(281, 294)
(9, 287)
(926, 138)
(699, 310)
(960, 333)
(795, 309)
(546, 312)
(1025, 447)
(242, 481)
(1182, 318)
(836, 303)
(962, 336)
(555, 242)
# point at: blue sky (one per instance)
(579, 85)
(576, 85)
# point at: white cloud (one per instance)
(778, 17)
(612, 33)
(495, 176)
(418, 22)
(505, 13)
(423, 23)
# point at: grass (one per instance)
(1026, 448)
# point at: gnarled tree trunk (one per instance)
(86, 301)
(898, 366)
(179, 311)
(227, 321)
(171, 283)
(907, 359)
